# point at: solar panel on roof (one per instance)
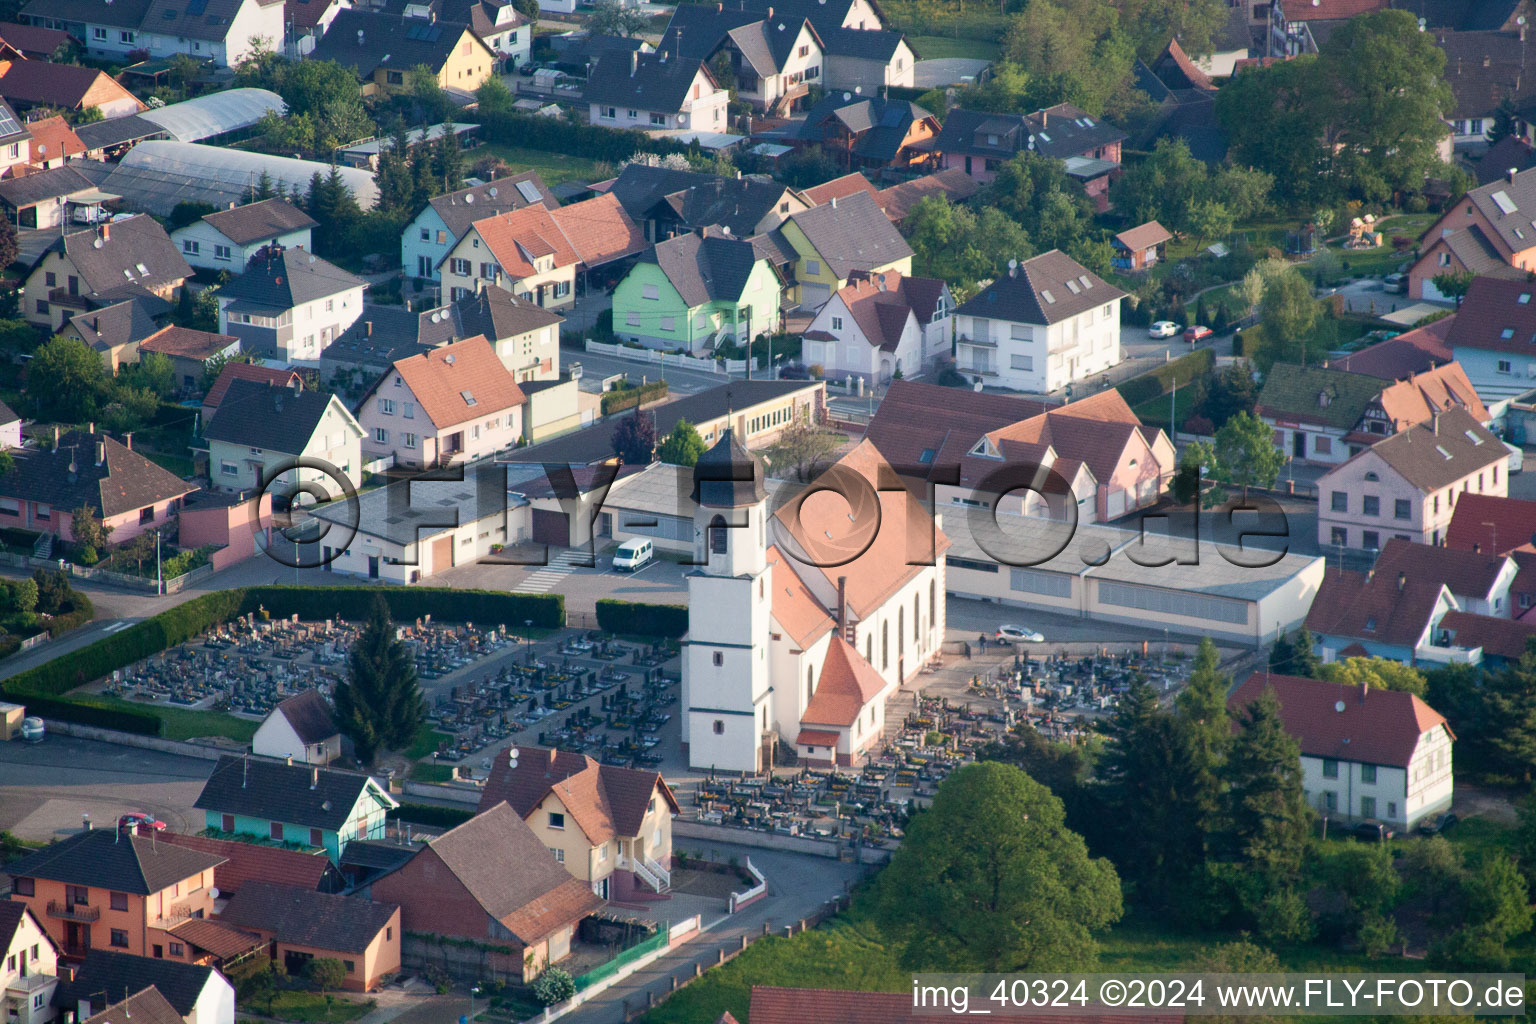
(529, 191)
(8, 123)
(1503, 202)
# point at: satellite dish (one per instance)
(1338, 706)
(492, 191)
(213, 892)
(470, 198)
(512, 757)
(98, 243)
(1013, 264)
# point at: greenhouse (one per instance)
(156, 175)
(215, 114)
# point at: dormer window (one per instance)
(991, 140)
(1508, 332)
(1370, 625)
(1323, 398)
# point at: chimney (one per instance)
(1510, 174)
(368, 327)
(1402, 581)
(55, 437)
(770, 14)
(634, 62)
(231, 205)
(288, 760)
(106, 231)
(128, 440)
(314, 778)
(85, 822)
(1365, 688)
(842, 603)
(1434, 423)
(1045, 119)
(101, 452)
(245, 771)
(834, 202)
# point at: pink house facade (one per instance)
(1407, 485)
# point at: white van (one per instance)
(633, 555)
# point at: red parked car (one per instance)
(142, 820)
(1196, 333)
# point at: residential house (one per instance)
(54, 142)
(230, 239)
(197, 992)
(1322, 415)
(28, 965)
(1406, 355)
(1482, 233)
(101, 890)
(1138, 249)
(857, 50)
(979, 142)
(1179, 112)
(469, 403)
(879, 326)
(260, 432)
(743, 207)
(444, 220)
(575, 54)
(1484, 70)
(869, 132)
(1406, 485)
(225, 32)
(146, 1005)
(646, 90)
(898, 200)
(34, 42)
(1298, 27)
(299, 925)
(1492, 524)
(1480, 582)
(641, 189)
(539, 254)
(231, 372)
(306, 22)
(87, 469)
(1378, 755)
(1491, 334)
(1510, 152)
(15, 140)
(831, 242)
(774, 60)
(697, 291)
(85, 270)
(497, 23)
(191, 352)
(299, 804)
(25, 84)
(245, 861)
(1050, 321)
(300, 727)
(289, 304)
(849, 184)
(1361, 614)
(384, 47)
(60, 197)
(609, 826)
(114, 331)
(10, 427)
(461, 885)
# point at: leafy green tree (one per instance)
(554, 986)
(1290, 316)
(1165, 187)
(188, 212)
(1066, 769)
(1453, 284)
(65, 381)
(23, 594)
(802, 448)
(634, 440)
(493, 98)
(53, 593)
(1503, 121)
(806, 168)
(682, 447)
(1210, 220)
(1377, 673)
(611, 18)
(1244, 191)
(331, 203)
(1231, 390)
(306, 86)
(379, 706)
(1296, 657)
(1246, 455)
(431, 99)
(989, 878)
(325, 973)
(88, 530)
(447, 161)
(215, 366)
(1432, 873)
(154, 372)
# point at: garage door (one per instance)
(814, 296)
(551, 527)
(442, 553)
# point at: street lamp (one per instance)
(528, 638)
(473, 994)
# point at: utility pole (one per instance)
(159, 583)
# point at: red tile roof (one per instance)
(604, 801)
(246, 371)
(1329, 10)
(1381, 609)
(460, 382)
(52, 137)
(1412, 352)
(1491, 307)
(847, 185)
(847, 685)
(216, 937)
(1461, 572)
(250, 862)
(1143, 236)
(600, 230)
(816, 738)
(794, 607)
(1418, 398)
(187, 343)
(1379, 727)
(772, 1005)
(1513, 524)
(1504, 638)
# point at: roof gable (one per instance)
(1046, 289)
(307, 795)
(461, 381)
(1347, 722)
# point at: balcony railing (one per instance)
(82, 912)
(977, 342)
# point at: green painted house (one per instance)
(693, 291)
(293, 804)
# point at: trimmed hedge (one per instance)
(429, 814)
(490, 607)
(557, 135)
(628, 398)
(1158, 382)
(637, 618)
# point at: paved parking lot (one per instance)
(565, 572)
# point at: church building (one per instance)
(803, 621)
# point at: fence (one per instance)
(602, 972)
(622, 966)
(651, 355)
(747, 897)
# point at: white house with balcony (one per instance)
(657, 92)
(1047, 322)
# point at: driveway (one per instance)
(661, 582)
(931, 74)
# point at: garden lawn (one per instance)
(185, 724)
(311, 1008)
(426, 742)
(1156, 412)
(554, 168)
(938, 47)
(177, 464)
(964, 19)
(429, 771)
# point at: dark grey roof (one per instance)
(384, 334)
(116, 324)
(655, 82)
(879, 126)
(282, 278)
(257, 787)
(738, 204)
(116, 130)
(368, 40)
(595, 443)
(68, 477)
(851, 234)
(120, 975)
(192, 19)
(1483, 69)
(1149, 83)
(1059, 132)
(1194, 120)
(121, 13)
(862, 44)
(705, 268)
(1047, 289)
(108, 257)
(303, 917)
(775, 248)
(458, 210)
(1510, 206)
(704, 27)
(145, 1007)
(728, 476)
(310, 716)
(12, 127)
(259, 222)
(1467, 15)
(31, 189)
(1510, 151)
(12, 912)
(639, 187)
(276, 419)
(375, 855)
(104, 858)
